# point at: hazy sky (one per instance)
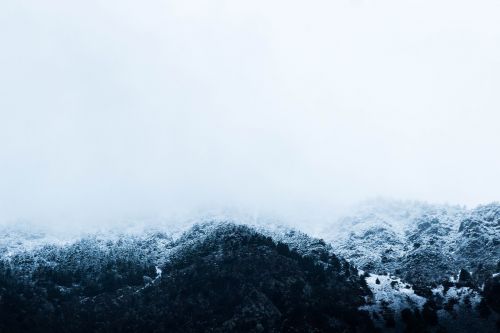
(125, 108)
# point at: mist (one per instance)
(113, 110)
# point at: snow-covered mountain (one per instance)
(420, 242)
(448, 254)
(388, 266)
(219, 277)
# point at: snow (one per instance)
(459, 294)
(392, 291)
(390, 297)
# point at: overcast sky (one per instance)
(111, 108)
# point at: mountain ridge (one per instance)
(440, 275)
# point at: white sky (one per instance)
(116, 108)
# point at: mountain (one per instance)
(449, 255)
(215, 277)
(420, 242)
(389, 266)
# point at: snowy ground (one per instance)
(391, 290)
(390, 296)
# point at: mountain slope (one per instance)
(419, 242)
(449, 255)
(426, 268)
(220, 277)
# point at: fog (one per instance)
(113, 110)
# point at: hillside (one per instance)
(389, 267)
(450, 255)
(220, 277)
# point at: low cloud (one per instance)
(115, 109)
